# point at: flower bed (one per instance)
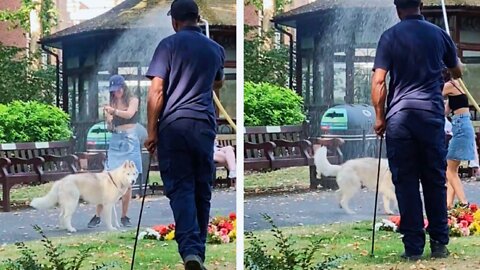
(220, 230)
(462, 221)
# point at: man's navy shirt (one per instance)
(415, 52)
(189, 62)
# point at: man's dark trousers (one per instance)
(185, 155)
(416, 152)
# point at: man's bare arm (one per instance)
(154, 107)
(217, 85)
(379, 97)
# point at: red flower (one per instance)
(223, 231)
(463, 224)
(171, 226)
(395, 219)
(468, 218)
(232, 216)
(473, 207)
(161, 229)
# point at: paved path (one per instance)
(16, 226)
(318, 208)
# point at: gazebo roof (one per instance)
(320, 5)
(141, 14)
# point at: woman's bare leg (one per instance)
(455, 183)
(230, 158)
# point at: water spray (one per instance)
(462, 84)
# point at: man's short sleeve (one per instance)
(220, 72)
(160, 64)
(450, 57)
(383, 58)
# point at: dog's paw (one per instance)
(72, 230)
(112, 229)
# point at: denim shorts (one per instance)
(124, 145)
(462, 144)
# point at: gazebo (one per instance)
(122, 41)
(336, 43)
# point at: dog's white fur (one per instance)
(94, 188)
(354, 174)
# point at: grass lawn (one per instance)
(289, 178)
(355, 240)
(118, 247)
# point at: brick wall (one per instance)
(12, 37)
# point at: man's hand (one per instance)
(151, 143)
(380, 126)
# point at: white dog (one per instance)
(356, 173)
(104, 188)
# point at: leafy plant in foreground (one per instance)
(285, 255)
(56, 261)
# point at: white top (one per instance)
(448, 127)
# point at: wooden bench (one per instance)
(41, 162)
(276, 147)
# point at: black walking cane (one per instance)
(144, 193)
(376, 197)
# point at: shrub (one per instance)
(270, 105)
(33, 122)
(265, 62)
(29, 259)
(285, 255)
(20, 81)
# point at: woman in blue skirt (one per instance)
(122, 119)
(461, 146)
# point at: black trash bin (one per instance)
(354, 124)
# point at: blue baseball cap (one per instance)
(116, 82)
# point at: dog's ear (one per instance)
(125, 164)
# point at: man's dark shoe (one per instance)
(412, 258)
(194, 262)
(439, 250)
(94, 222)
(125, 222)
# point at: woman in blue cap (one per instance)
(122, 119)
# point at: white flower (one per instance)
(149, 234)
(385, 225)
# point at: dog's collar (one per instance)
(111, 179)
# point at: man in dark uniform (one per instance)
(415, 52)
(185, 69)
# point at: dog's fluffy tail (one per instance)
(47, 201)
(323, 165)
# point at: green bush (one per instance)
(33, 122)
(270, 105)
(285, 255)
